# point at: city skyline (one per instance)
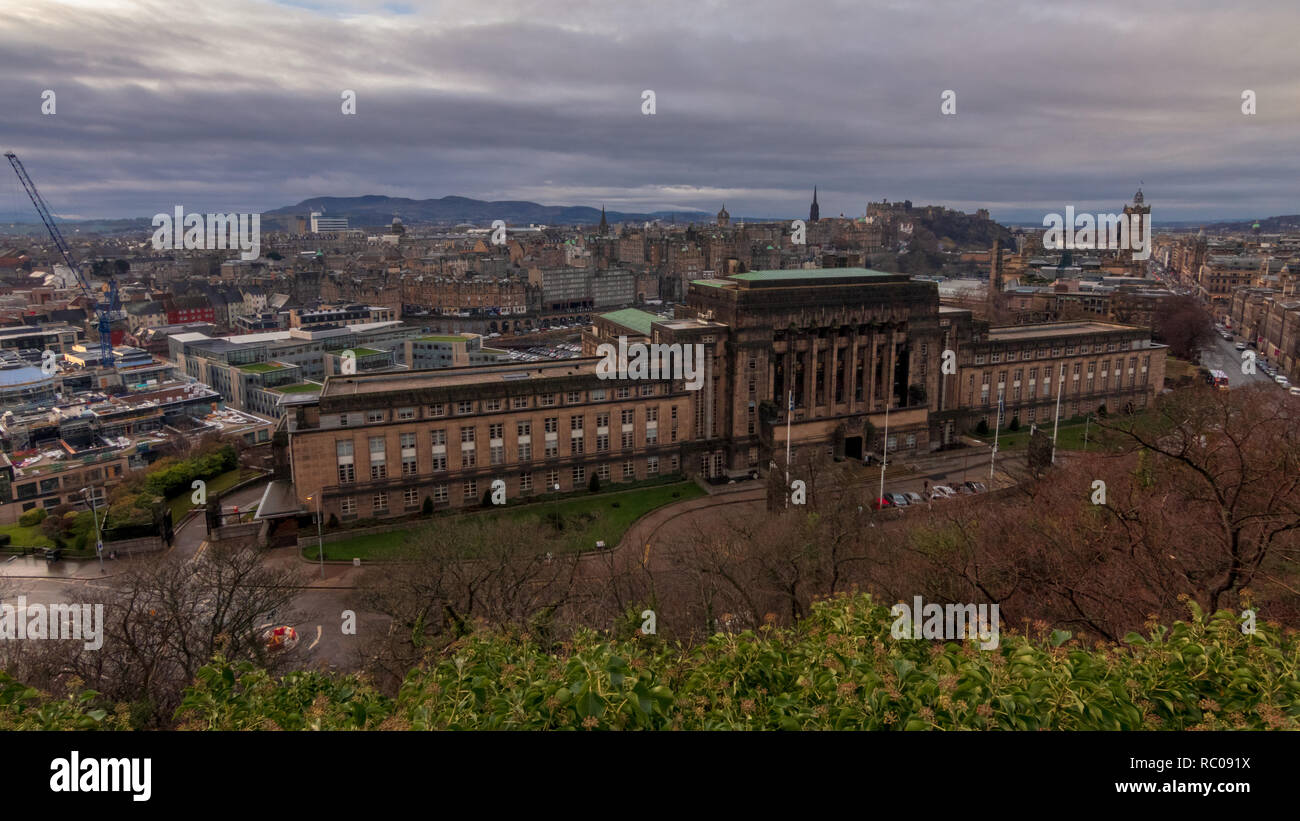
(1071, 105)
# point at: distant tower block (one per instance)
(814, 212)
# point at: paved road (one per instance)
(317, 613)
(1222, 355)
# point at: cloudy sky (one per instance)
(236, 105)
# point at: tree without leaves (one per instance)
(1184, 325)
(163, 620)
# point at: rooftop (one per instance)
(826, 276)
(633, 319)
(441, 338)
(262, 367)
(297, 387)
(358, 384)
(1054, 329)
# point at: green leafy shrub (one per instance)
(32, 517)
(838, 669)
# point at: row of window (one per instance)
(1070, 409)
(468, 407)
(378, 455)
(1107, 373)
(1042, 353)
(470, 488)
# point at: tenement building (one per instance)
(835, 356)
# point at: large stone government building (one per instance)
(845, 345)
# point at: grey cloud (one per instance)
(237, 105)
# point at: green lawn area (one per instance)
(218, 484)
(297, 387)
(20, 536)
(587, 518)
(260, 367)
(441, 338)
(365, 352)
(1069, 436)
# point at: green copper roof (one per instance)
(638, 321)
(712, 283)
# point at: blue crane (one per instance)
(107, 308)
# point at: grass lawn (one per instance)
(218, 484)
(298, 387)
(1068, 437)
(20, 536)
(261, 367)
(587, 519)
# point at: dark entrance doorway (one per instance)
(853, 447)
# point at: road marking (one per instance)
(312, 646)
(202, 547)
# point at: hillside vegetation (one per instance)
(837, 669)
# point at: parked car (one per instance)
(881, 503)
(1282, 380)
(53, 554)
(977, 487)
(914, 498)
(1241, 346)
(942, 492)
(964, 489)
(1294, 391)
(898, 499)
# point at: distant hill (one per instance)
(375, 210)
(72, 228)
(1268, 225)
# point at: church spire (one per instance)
(604, 226)
(814, 213)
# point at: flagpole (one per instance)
(1057, 423)
(789, 414)
(997, 425)
(884, 454)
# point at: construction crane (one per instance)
(107, 308)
